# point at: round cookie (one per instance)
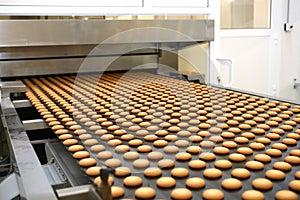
(297, 175)
(183, 156)
(113, 162)
(286, 194)
(145, 193)
(237, 157)
(166, 182)
(133, 181)
(155, 155)
(117, 192)
(221, 150)
(254, 165)
(295, 185)
(195, 183)
(245, 151)
(207, 156)
(152, 172)
(213, 194)
(197, 164)
(104, 155)
(180, 172)
(294, 160)
(122, 171)
(87, 162)
(223, 164)
(122, 148)
(273, 152)
(253, 194)
(141, 163)
(181, 193)
(144, 149)
(283, 166)
(81, 154)
(193, 149)
(65, 136)
(262, 184)
(212, 173)
(166, 163)
(93, 171)
(262, 158)
(240, 173)
(90, 142)
(131, 155)
(275, 174)
(75, 148)
(160, 143)
(171, 149)
(231, 184)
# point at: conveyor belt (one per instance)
(141, 101)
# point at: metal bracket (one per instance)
(11, 87)
(296, 83)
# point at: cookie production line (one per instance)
(86, 114)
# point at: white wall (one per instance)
(250, 58)
(290, 56)
(266, 61)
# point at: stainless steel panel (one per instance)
(29, 173)
(22, 103)
(34, 124)
(75, 65)
(68, 32)
(78, 193)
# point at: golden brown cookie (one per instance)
(183, 156)
(87, 162)
(166, 182)
(144, 149)
(141, 163)
(152, 172)
(197, 164)
(295, 185)
(286, 194)
(254, 165)
(212, 173)
(262, 184)
(181, 193)
(133, 181)
(195, 183)
(275, 174)
(122, 171)
(253, 194)
(283, 166)
(231, 184)
(262, 158)
(223, 164)
(145, 193)
(207, 156)
(81, 154)
(237, 157)
(180, 172)
(166, 163)
(240, 173)
(117, 192)
(113, 162)
(155, 155)
(294, 160)
(213, 194)
(93, 171)
(104, 155)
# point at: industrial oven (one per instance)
(96, 109)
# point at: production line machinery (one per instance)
(72, 116)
